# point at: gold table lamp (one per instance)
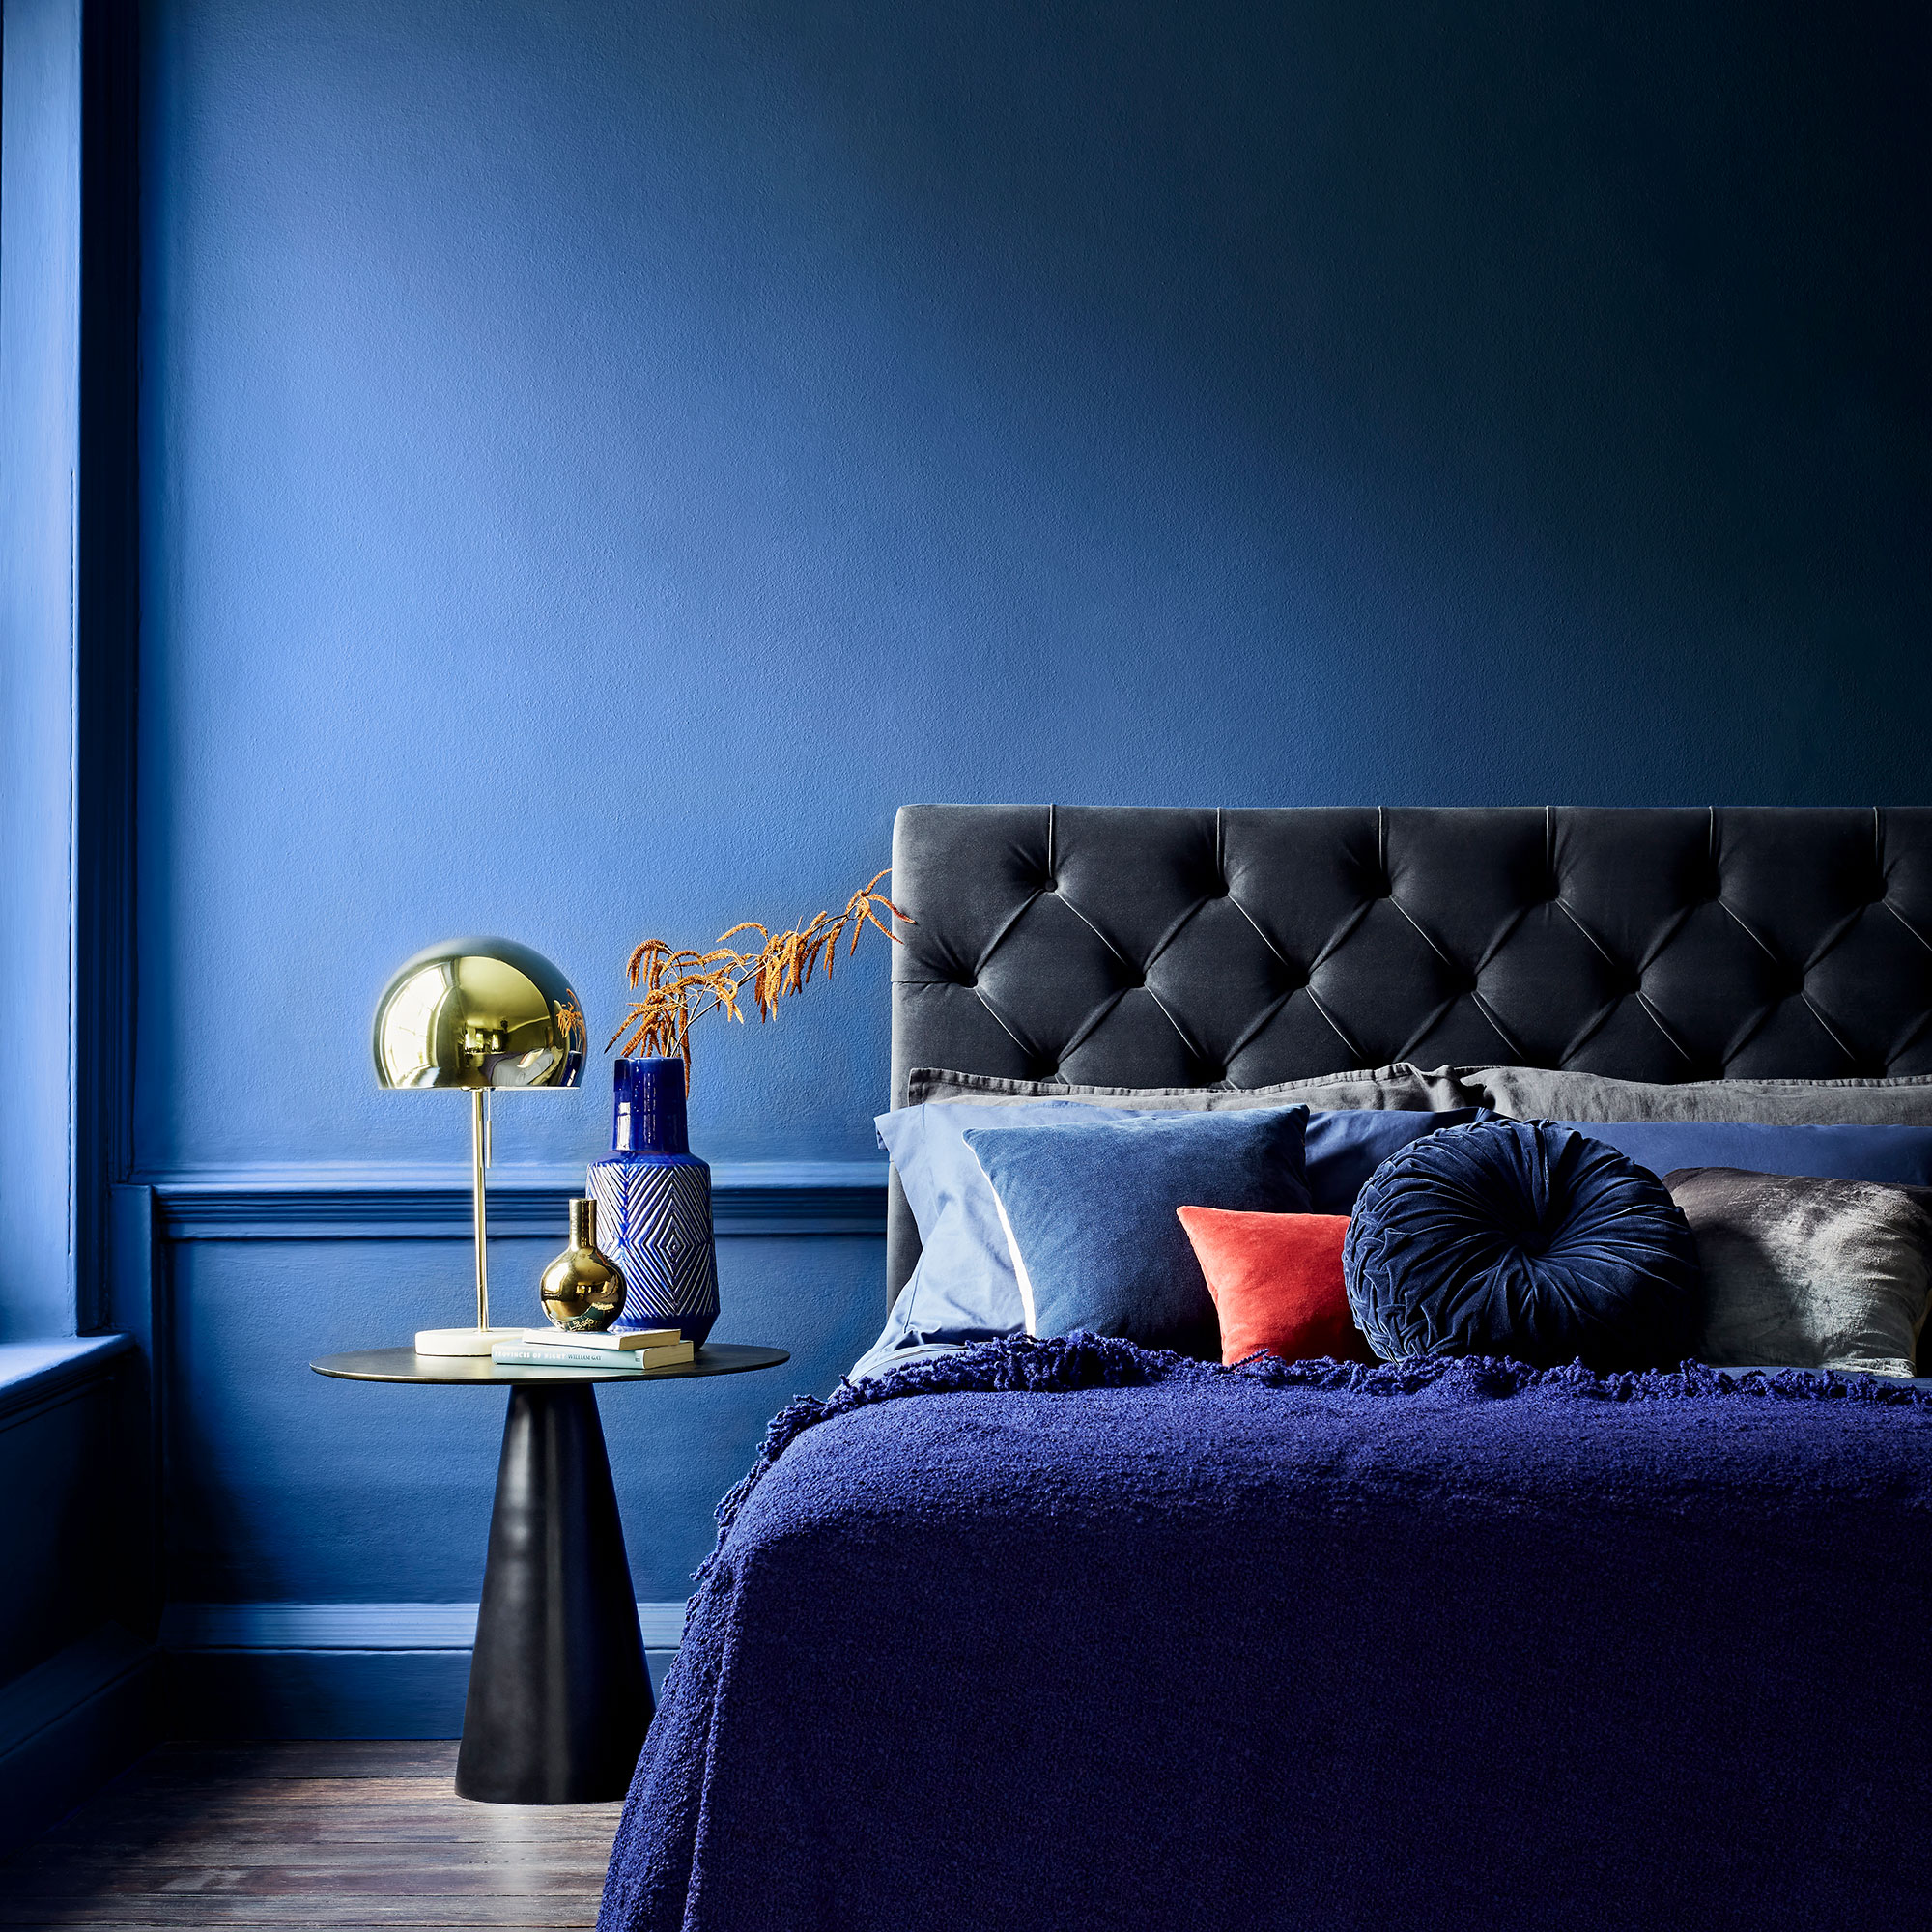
(481, 1014)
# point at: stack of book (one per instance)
(637, 1348)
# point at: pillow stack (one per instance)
(1356, 1218)
(1090, 1214)
(965, 1287)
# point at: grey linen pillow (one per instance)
(1806, 1273)
(1543, 1094)
(1396, 1088)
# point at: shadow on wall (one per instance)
(1639, 284)
(78, 1603)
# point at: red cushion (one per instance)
(1276, 1280)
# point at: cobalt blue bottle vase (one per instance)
(654, 1205)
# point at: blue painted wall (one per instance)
(599, 460)
(72, 1467)
(40, 415)
(76, 1670)
(288, 1487)
(77, 1596)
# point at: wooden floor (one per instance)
(343, 1835)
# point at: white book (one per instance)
(548, 1355)
(602, 1338)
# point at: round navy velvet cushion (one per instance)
(1515, 1237)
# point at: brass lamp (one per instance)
(480, 1014)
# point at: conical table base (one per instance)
(558, 1694)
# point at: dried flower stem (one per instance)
(681, 987)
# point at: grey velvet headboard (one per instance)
(1153, 946)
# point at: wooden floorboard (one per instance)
(321, 1757)
(349, 1836)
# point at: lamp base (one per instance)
(463, 1341)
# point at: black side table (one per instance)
(558, 1693)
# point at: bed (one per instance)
(1070, 1633)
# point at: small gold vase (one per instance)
(583, 1288)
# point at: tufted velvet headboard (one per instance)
(1153, 948)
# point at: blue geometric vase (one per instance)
(654, 1205)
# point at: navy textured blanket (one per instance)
(1064, 1634)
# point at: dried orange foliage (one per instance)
(680, 988)
(570, 1020)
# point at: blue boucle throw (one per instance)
(1064, 1634)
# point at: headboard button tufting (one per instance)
(1673, 937)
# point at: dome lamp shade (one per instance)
(477, 1013)
(483, 1015)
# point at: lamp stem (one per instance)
(479, 1159)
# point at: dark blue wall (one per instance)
(599, 460)
(77, 1559)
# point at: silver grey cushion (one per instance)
(1806, 1273)
(1396, 1088)
(1541, 1093)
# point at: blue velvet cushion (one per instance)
(1090, 1214)
(1897, 1156)
(1523, 1238)
(964, 1290)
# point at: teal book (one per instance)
(560, 1356)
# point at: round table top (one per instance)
(405, 1365)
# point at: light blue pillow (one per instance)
(1088, 1211)
(1901, 1156)
(963, 1287)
